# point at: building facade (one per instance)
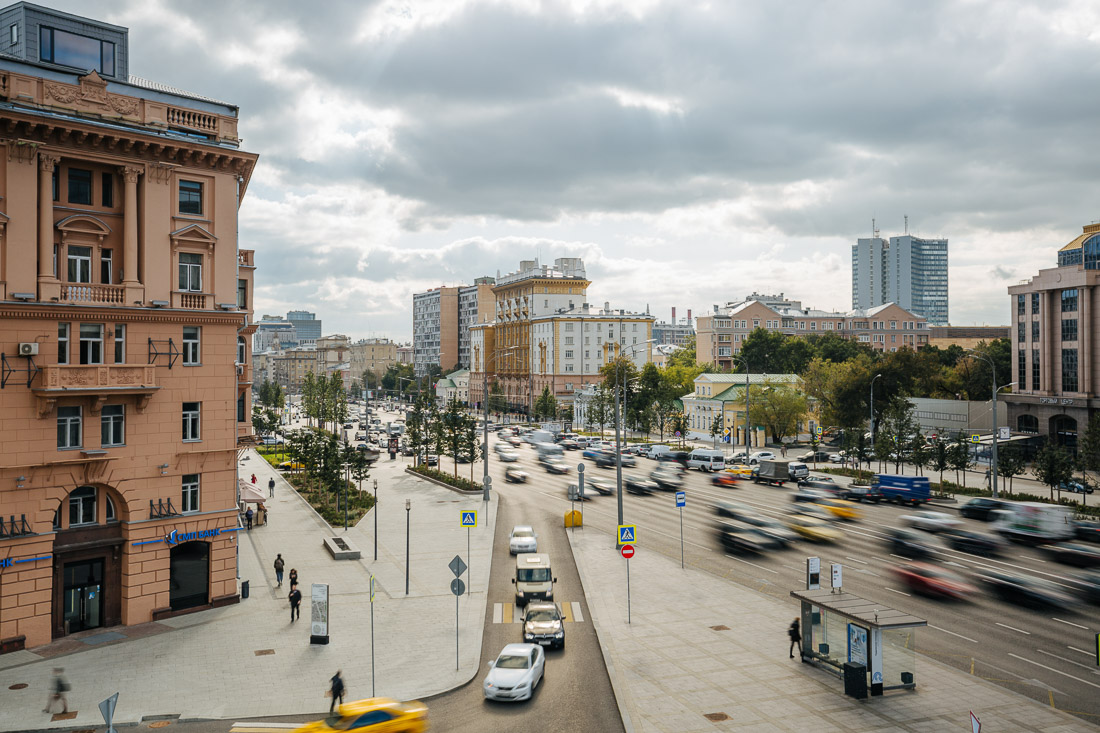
(1054, 327)
(291, 367)
(371, 355)
(966, 337)
(435, 329)
(307, 327)
(125, 319)
(274, 333)
(454, 386)
(906, 270)
(722, 396)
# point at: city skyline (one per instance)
(401, 155)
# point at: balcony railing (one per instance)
(246, 258)
(95, 294)
(97, 376)
(193, 301)
(194, 120)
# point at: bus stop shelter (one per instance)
(857, 638)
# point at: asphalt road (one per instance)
(1047, 655)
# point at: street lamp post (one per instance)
(376, 520)
(618, 419)
(872, 423)
(993, 376)
(408, 506)
(485, 425)
(744, 363)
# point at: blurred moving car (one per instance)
(568, 444)
(930, 521)
(760, 455)
(764, 525)
(555, 465)
(667, 477)
(1068, 553)
(814, 457)
(809, 496)
(975, 543)
(1088, 531)
(515, 673)
(291, 466)
(982, 508)
(522, 539)
(1025, 590)
(373, 714)
(725, 479)
(909, 544)
(508, 456)
(1074, 487)
(739, 469)
(738, 538)
(606, 459)
(515, 475)
(861, 493)
(641, 486)
(812, 528)
(598, 486)
(815, 510)
(841, 510)
(931, 580)
(1087, 585)
(543, 624)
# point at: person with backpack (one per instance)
(279, 565)
(796, 636)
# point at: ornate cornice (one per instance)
(120, 315)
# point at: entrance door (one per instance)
(83, 595)
(189, 581)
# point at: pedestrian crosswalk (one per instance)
(510, 613)
(262, 727)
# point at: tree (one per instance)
(899, 426)
(678, 424)
(1010, 463)
(452, 431)
(546, 406)
(841, 391)
(470, 443)
(370, 379)
(958, 457)
(497, 401)
(601, 408)
(1088, 450)
(716, 430)
(920, 453)
(779, 408)
(685, 357)
(940, 458)
(883, 447)
(1053, 466)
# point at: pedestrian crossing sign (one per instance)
(469, 518)
(627, 533)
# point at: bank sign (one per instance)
(175, 537)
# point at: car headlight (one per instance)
(528, 635)
(519, 593)
(559, 635)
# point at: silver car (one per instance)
(507, 456)
(543, 624)
(515, 673)
(523, 539)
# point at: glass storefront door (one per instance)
(83, 595)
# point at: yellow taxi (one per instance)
(739, 469)
(841, 509)
(291, 466)
(812, 528)
(376, 715)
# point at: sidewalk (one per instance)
(249, 660)
(673, 671)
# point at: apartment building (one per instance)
(1054, 326)
(674, 332)
(125, 314)
(371, 355)
(441, 323)
(290, 368)
(906, 270)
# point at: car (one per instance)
(829, 488)
(1087, 530)
(640, 486)
(739, 469)
(514, 441)
(515, 673)
(593, 450)
(1087, 585)
(632, 450)
(729, 480)
(522, 539)
(555, 465)
(291, 466)
(813, 509)
(738, 539)
(431, 460)
(761, 455)
(1026, 591)
(515, 475)
(931, 521)
(508, 456)
(1068, 553)
(814, 457)
(930, 580)
(543, 624)
(982, 508)
(667, 477)
(839, 457)
(812, 528)
(607, 460)
(568, 444)
(907, 543)
(975, 543)
(373, 714)
(841, 510)
(765, 525)
(592, 487)
(359, 435)
(861, 493)
(349, 425)
(809, 496)
(1074, 487)
(406, 450)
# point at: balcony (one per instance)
(191, 301)
(246, 258)
(93, 294)
(100, 381)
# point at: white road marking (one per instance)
(759, 567)
(498, 613)
(273, 726)
(578, 617)
(937, 628)
(1013, 628)
(906, 559)
(861, 562)
(1078, 664)
(897, 591)
(1087, 654)
(1069, 623)
(1055, 671)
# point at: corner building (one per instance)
(125, 319)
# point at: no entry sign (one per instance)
(627, 551)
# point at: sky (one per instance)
(690, 152)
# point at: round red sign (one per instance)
(627, 551)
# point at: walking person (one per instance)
(248, 518)
(987, 478)
(295, 599)
(336, 691)
(253, 479)
(293, 577)
(279, 565)
(271, 486)
(796, 637)
(58, 687)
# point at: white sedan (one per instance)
(515, 673)
(508, 456)
(761, 455)
(931, 521)
(523, 539)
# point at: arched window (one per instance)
(82, 508)
(1027, 424)
(1091, 251)
(111, 516)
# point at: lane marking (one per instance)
(1087, 654)
(758, 567)
(498, 613)
(578, 615)
(1070, 623)
(861, 562)
(1052, 669)
(905, 559)
(1070, 661)
(937, 628)
(1013, 628)
(269, 726)
(897, 591)
(566, 612)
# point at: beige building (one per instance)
(371, 355)
(291, 368)
(966, 337)
(884, 328)
(723, 396)
(125, 311)
(442, 318)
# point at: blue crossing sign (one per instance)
(627, 533)
(469, 518)
(681, 499)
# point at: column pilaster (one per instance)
(49, 287)
(135, 291)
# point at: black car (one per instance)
(1082, 556)
(737, 539)
(639, 486)
(982, 508)
(812, 457)
(667, 478)
(862, 493)
(1025, 591)
(819, 484)
(908, 544)
(678, 456)
(972, 542)
(1087, 585)
(1088, 531)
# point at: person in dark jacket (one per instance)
(271, 486)
(796, 636)
(248, 518)
(279, 565)
(295, 599)
(337, 691)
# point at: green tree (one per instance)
(497, 402)
(959, 458)
(678, 423)
(1053, 466)
(1010, 463)
(920, 453)
(685, 357)
(1088, 449)
(601, 408)
(452, 430)
(941, 457)
(716, 428)
(779, 408)
(546, 406)
(471, 442)
(900, 428)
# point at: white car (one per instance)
(515, 673)
(931, 521)
(507, 456)
(523, 539)
(761, 455)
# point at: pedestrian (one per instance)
(336, 691)
(279, 564)
(293, 577)
(271, 486)
(295, 598)
(58, 687)
(253, 478)
(783, 450)
(248, 518)
(796, 637)
(987, 477)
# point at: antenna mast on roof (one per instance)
(906, 223)
(874, 229)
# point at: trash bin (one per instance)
(855, 680)
(244, 589)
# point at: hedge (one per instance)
(458, 482)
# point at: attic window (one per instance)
(80, 52)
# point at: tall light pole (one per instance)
(744, 363)
(408, 506)
(485, 426)
(376, 520)
(872, 428)
(993, 375)
(618, 419)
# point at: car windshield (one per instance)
(522, 533)
(542, 615)
(509, 661)
(533, 575)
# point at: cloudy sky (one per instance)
(690, 152)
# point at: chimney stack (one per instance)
(673, 315)
(689, 317)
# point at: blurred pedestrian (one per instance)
(796, 636)
(271, 486)
(295, 598)
(336, 691)
(293, 577)
(248, 518)
(253, 478)
(279, 565)
(58, 687)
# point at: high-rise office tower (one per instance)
(906, 270)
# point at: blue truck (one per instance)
(914, 490)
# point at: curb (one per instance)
(444, 484)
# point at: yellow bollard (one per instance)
(573, 519)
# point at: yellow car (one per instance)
(841, 510)
(739, 469)
(291, 466)
(812, 528)
(378, 714)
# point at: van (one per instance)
(534, 579)
(798, 471)
(537, 437)
(656, 451)
(706, 459)
(549, 451)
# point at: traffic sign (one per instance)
(372, 589)
(457, 566)
(458, 587)
(107, 710)
(627, 551)
(469, 518)
(681, 498)
(975, 724)
(627, 533)
(975, 438)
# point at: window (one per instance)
(82, 506)
(1069, 370)
(242, 350)
(69, 432)
(1069, 329)
(191, 421)
(91, 343)
(63, 343)
(1035, 369)
(190, 499)
(79, 52)
(1021, 332)
(80, 264)
(1021, 304)
(120, 343)
(113, 425)
(1034, 304)
(893, 324)
(1034, 330)
(240, 408)
(191, 353)
(14, 33)
(190, 272)
(242, 294)
(106, 268)
(1069, 300)
(107, 190)
(568, 367)
(1021, 366)
(568, 354)
(191, 197)
(111, 515)
(80, 186)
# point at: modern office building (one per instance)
(906, 270)
(307, 327)
(441, 323)
(1055, 320)
(125, 315)
(274, 333)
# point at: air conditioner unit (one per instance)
(28, 349)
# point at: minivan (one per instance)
(656, 451)
(534, 579)
(706, 459)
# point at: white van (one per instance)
(706, 459)
(548, 451)
(656, 451)
(534, 579)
